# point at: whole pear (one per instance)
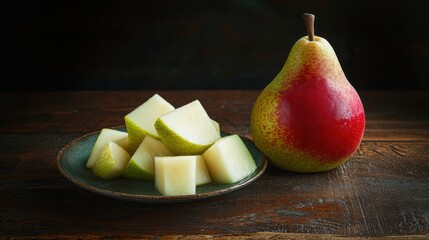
(309, 118)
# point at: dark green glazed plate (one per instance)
(72, 164)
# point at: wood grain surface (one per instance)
(382, 191)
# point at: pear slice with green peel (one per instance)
(228, 160)
(106, 135)
(187, 130)
(175, 175)
(111, 162)
(140, 122)
(141, 165)
(202, 173)
(135, 135)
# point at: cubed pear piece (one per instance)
(187, 130)
(228, 160)
(111, 162)
(106, 135)
(175, 175)
(140, 122)
(141, 166)
(202, 174)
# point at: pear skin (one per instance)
(309, 118)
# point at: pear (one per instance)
(140, 122)
(141, 166)
(175, 175)
(202, 175)
(228, 160)
(309, 118)
(111, 162)
(187, 130)
(106, 135)
(216, 125)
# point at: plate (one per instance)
(72, 159)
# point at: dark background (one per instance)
(241, 44)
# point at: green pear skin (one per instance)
(187, 130)
(106, 135)
(141, 165)
(111, 162)
(140, 121)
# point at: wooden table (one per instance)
(382, 191)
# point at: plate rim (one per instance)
(155, 198)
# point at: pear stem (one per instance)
(309, 25)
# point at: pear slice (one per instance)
(140, 122)
(106, 135)
(187, 130)
(175, 175)
(141, 166)
(202, 175)
(228, 160)
(216, 125)
(111, 162)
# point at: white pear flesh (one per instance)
(140, 122)
(216, 125)
(187, 130)
(175, 175)
(111, 162)
(141, 166)
(106, 135)
(228, 160)
(202, 173)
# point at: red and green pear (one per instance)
(309, 118)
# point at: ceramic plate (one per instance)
(72, 164)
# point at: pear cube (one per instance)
(201, 173)
(111, 162)
(187, 130)
(140, 122)
(106, 135)
(228, 160)
(175, 175)
(141, 166)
